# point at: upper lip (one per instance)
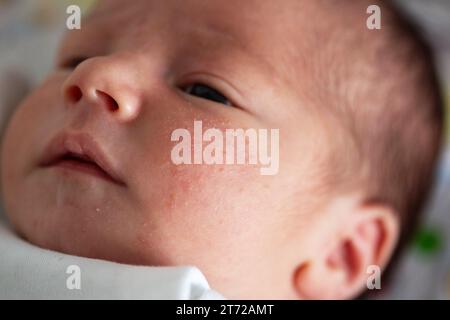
(81, 146)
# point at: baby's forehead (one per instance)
(270, 29)
(250, 20)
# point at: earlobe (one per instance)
(366, 237)
(337, 275)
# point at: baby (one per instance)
(86, 159)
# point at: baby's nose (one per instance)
(106, 82)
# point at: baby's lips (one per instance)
(81, 146)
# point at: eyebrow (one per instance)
(232, 41)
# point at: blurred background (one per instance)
(29, 32)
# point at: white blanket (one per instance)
(29, 272)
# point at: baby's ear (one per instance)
(364, 236)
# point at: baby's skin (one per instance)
(137, 71)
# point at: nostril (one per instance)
(74, 94)
(109, 101)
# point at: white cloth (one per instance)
(29, 272)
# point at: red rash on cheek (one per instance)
(186, 184)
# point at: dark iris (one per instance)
(206, 92)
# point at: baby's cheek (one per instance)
(205, 190)
(202, 208)
(194, 208)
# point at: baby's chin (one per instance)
(86, 244)
(78, 215)
(109, 238)
(67, 232)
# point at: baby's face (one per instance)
(117, 93)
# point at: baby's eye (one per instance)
(205, 92)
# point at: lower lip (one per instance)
(84, 168)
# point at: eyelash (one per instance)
(210, 93)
